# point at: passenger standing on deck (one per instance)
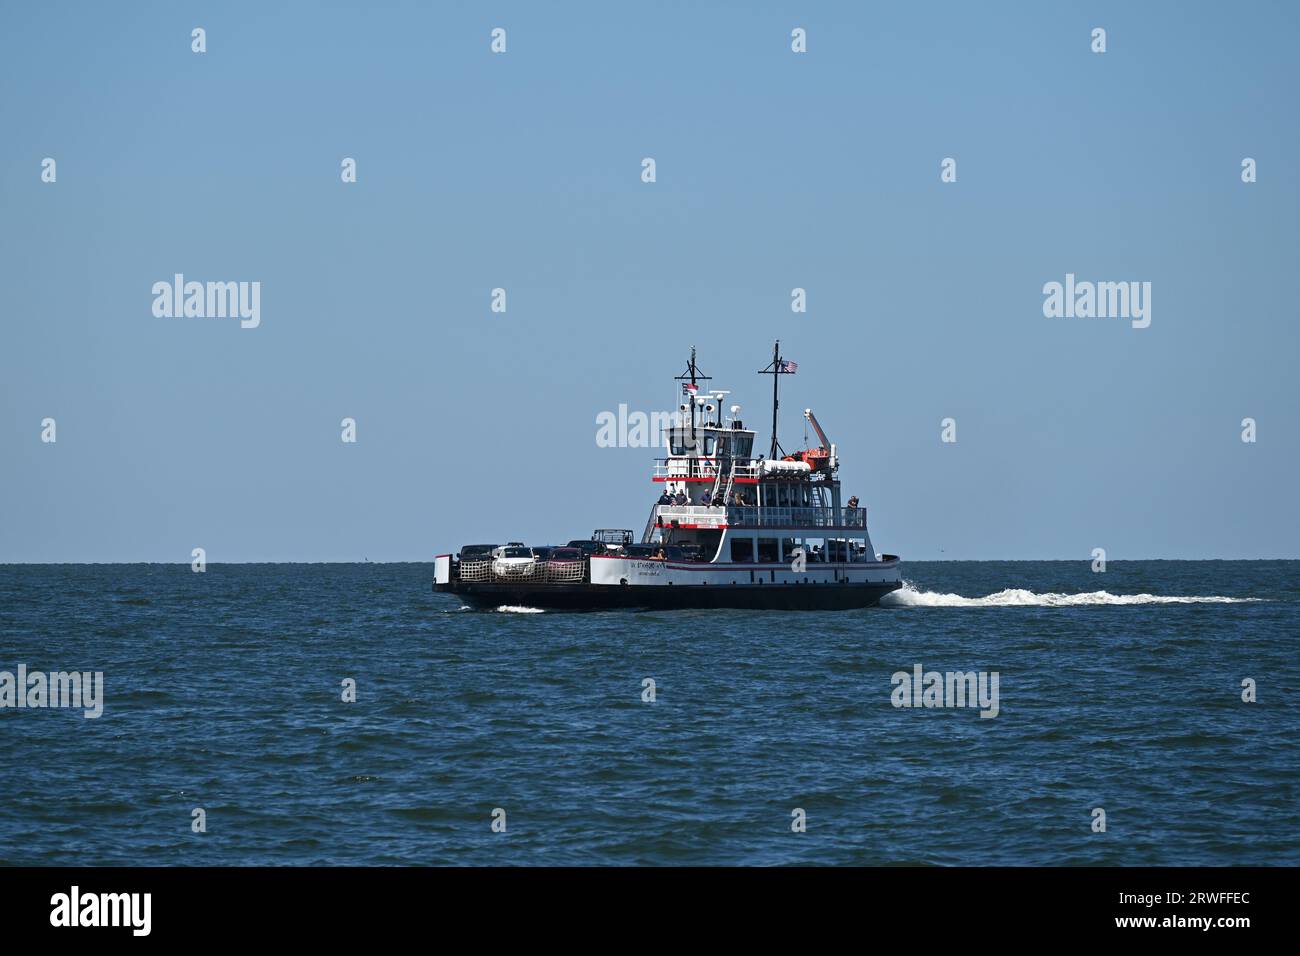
(680, 498)
(665, 498)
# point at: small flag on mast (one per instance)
(688, 387)
(790, 367)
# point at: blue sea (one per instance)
(223, 691)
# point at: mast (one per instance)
(778, 368)
(696, 376)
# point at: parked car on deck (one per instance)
(588, 547)
(642, 552)
(513, 560)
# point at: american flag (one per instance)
(688, 387)
(790, 367)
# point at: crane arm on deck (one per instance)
(821, 435)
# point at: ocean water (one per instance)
(223, 691)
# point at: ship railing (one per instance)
(704, 467)
(798, 517)
(690, 514)
(476, 572)
(686, 468)
(566, 572)
(538, 572)
(762, 517)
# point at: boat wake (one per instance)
(519, 609)
(908, 596)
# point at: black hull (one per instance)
(590, 597)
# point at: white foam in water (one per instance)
(908, 596)
(518, 609)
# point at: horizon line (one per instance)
(902, 561)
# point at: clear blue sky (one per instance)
(775, 170)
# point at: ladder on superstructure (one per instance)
(731, 480)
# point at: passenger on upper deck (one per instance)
(680, 498)
(852, 517)
(665, 498)
(705, 498)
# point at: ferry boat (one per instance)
(730, 529)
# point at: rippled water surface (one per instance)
(223, 691)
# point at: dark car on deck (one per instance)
(588, 547)
(641, 551)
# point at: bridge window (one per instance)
(682, 441)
